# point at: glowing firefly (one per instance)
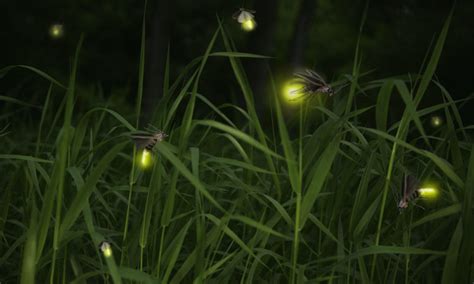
(436, 121)
(246, 19)
(56, 31)
(145, 143)
(412, 190)
(106, 249)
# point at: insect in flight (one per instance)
(147, 141)
(312, 83)
(105, 248)
(410, 191)
(246, 18)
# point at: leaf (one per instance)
(383, 101)
(447, 211)
(238, 134)
(5, 70)
(450, 263)
(176, 245)
(259, 226)
(164, 150)
(321, 172)
(81, 198)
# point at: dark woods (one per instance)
(315, 34)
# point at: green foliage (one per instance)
(234, 200)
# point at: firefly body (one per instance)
(313, 83)
(410, 191)
(147, 142)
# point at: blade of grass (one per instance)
(450, 263)
(141, 68)
(63, 154)
(320, 174)
(466, 254)
(383, 101)
(176, 246)
(79, 201)
(28, 269)
(181, 168)
(7, 69)
(43, 114)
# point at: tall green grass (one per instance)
(229, 199)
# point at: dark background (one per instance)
(319, 34)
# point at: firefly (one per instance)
(412, 190)
(246, 19)
(145, 143)
(106, 249)
(56, 31)
(436, 121)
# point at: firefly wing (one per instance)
(244, 16)
(411, 183)
(312, 74)
(311, 78)
(142, 141)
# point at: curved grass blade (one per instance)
(80, 200)
(239, 134)
(7, 69)
(320, 175)
(165, 151)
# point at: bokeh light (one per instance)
(292, 92)
(436, 121)
(145, 159)
(249, 25)
(56, 31)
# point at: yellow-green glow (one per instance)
(146, 159)
(292, 92)
(106, 249)
(249, 25)
(436, 121)
(429, 192)
(56, 31)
